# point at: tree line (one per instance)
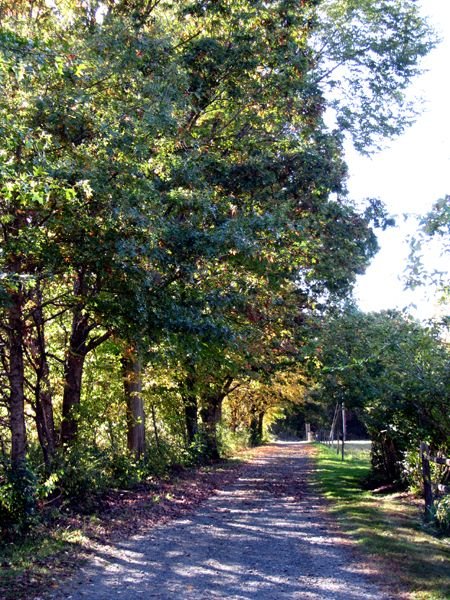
(174, 218)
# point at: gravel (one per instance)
(265, 536)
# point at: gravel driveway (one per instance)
(266, 536)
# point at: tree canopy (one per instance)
(174, 213)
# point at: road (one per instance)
(266, 536)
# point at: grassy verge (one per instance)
(387, 527)
(37, 562)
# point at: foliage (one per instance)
(83, 477)
(367, 53)
(434, 228)
(412, 470)
(442, 513)
(168, 183)
(394, 372)
(18, 500)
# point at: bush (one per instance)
(230, 441)
(82, 477)
(412, 472)
(442, 513)
(18, 499)
(86, 474)
(125, 470)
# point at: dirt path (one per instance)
(263, 537)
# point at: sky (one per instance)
(409, 175)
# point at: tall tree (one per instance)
(132, 376)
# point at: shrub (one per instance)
(18, 499)
(230, 441)
(442, 513)
(412, 472)
(82, 477)
(125, 470)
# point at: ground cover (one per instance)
(388, 527)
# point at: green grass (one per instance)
(36, 562)
(387, 527)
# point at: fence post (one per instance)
(344, 429)
(426, 474)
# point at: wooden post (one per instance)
(333, 426)
(426, 474)
(344, 429)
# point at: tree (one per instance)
(366, 54)
(434, 227)
(131, 366)
(394, 372)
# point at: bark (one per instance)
(190, 410)
(73, 375)
(44, 417)
(80, 344)
(16, 376)
(191, 418)
(43, 392)
(16, 370)
(261, 425)
(211, 414)
(385, 459)
(256, 428)
(155, 428)
(132, 378)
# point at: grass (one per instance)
(387, 527)
(37, 560)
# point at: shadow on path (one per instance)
(265, 536)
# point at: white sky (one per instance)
(409, 176)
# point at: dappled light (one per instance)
(178, 253)
(265, 536)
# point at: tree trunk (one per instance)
(80, 345)
(44, 419)
(16, 376)
(43, 393)
(256, 428)
(73, 375)
(131, 369)
(211, 414)
(190, 410)
(155, 428)
(385, 458)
